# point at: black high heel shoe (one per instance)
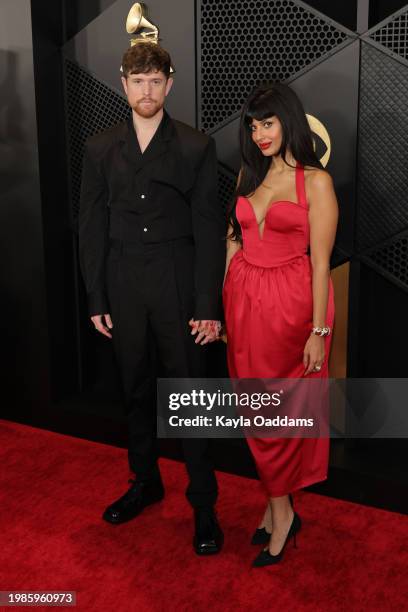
(261, 536)
(265, 557)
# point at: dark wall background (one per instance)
(381, 9)
(346, 12)
(78, 14)
(24, 317)
(48, 21)
(58, 374)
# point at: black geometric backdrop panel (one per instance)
(244, 43)
(391, 259)
(226, 186)
(394, 34)
(382, 224)
(92, 107)
(383, 151)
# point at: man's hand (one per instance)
(99, 320)
(208, 330)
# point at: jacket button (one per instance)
(145, 229)
(143, 195)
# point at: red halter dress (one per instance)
(268, 306)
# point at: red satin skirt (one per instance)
(268, 315)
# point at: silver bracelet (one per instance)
(321, 331)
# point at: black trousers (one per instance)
(150, 292)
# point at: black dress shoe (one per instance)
(140, 495)
(261, 536)
(208, 538)
(265, 557)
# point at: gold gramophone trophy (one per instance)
(138, 24)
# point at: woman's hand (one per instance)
(313, 354)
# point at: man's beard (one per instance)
(149, 110)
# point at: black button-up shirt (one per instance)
(167, 192)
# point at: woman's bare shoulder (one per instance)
(317, 178)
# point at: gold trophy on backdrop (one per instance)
(138, 24)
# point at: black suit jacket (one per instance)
(166, 193)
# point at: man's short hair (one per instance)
(146, 57)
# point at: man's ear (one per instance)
(169, 85)
(124, 83)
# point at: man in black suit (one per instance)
(151, 239)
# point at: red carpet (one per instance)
(53, 491)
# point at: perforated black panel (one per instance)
(92, 107)
(394, 35)
(392, 259)
(244, 43)
(226, 186)
(383, 153)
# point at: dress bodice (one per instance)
(286, 228)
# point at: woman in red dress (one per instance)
(278, 296)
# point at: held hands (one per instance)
(313, 354)
(103, 323)
(207, 330)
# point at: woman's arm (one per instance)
(323, 217)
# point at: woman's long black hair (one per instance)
(265, 101)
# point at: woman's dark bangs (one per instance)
(260, 109)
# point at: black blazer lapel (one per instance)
(172, 166)
(158, 146)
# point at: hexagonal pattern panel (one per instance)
(226, 187)
(244, 43)
(392, 258)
